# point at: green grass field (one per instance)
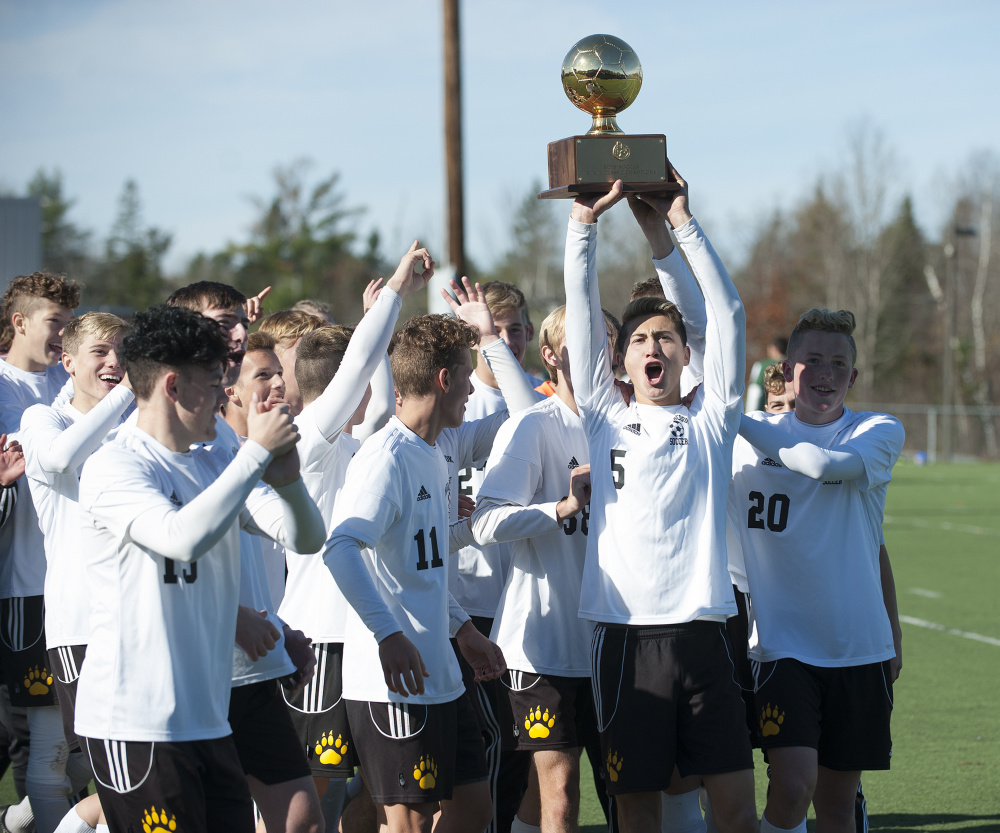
(943, 533)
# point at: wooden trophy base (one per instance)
(589, 164)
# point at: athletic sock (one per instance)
(19, 818)
(72, 823)
(102, 828)
(682, 813)
(518, 826)
(767, 827)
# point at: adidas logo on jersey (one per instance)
(767, 461)
(423, 494)
(448, 458)
(573, 463)
(635, 428)
(176, 501)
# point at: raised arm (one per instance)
(725, 333)
(469, 304)
(586, 336)
(337, 404)
(679, 285)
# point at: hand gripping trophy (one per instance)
(602, 76)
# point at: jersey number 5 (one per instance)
(617, 469)
(422, 550)
(776, 518)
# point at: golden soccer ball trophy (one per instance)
(601, 75)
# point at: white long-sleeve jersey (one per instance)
(656, 553)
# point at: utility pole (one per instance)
(453, 136)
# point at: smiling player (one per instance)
(806, 500)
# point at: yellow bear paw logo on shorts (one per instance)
(37, 681)
(770, 720)
(614, 765)
(425, 773)
(154, 821)
(538, 724)
(331, 751)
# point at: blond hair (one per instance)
(504, 298)
(554, 333)
(774, 379)
(825, 321)
(289, 325)
(103, 325)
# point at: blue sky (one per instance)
(199, 101)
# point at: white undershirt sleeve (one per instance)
(802, 457)
(289, 517)
(459, 535)
(381, 406)
(456, 615)
(725, 334)
(188, 532)
(514, 385)
(586, 336)
(497, 521)
(71, 448)
(337, 404)
(681, 288)
(343, 558)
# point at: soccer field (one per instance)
(943, 533)
(942, 529)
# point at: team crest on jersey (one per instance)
(423, 494)
(767, 461)
(176, 501)
(573, 463)
(157, 821)
(635, 428)
(678, 430)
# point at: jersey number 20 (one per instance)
(776, 518)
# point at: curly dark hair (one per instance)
(24, 294)
(169, 337)
(425, 345)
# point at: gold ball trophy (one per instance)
(602, 75)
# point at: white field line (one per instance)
(923, 623)
(946, 526)
(927, 594)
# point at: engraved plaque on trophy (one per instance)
(602, 76)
